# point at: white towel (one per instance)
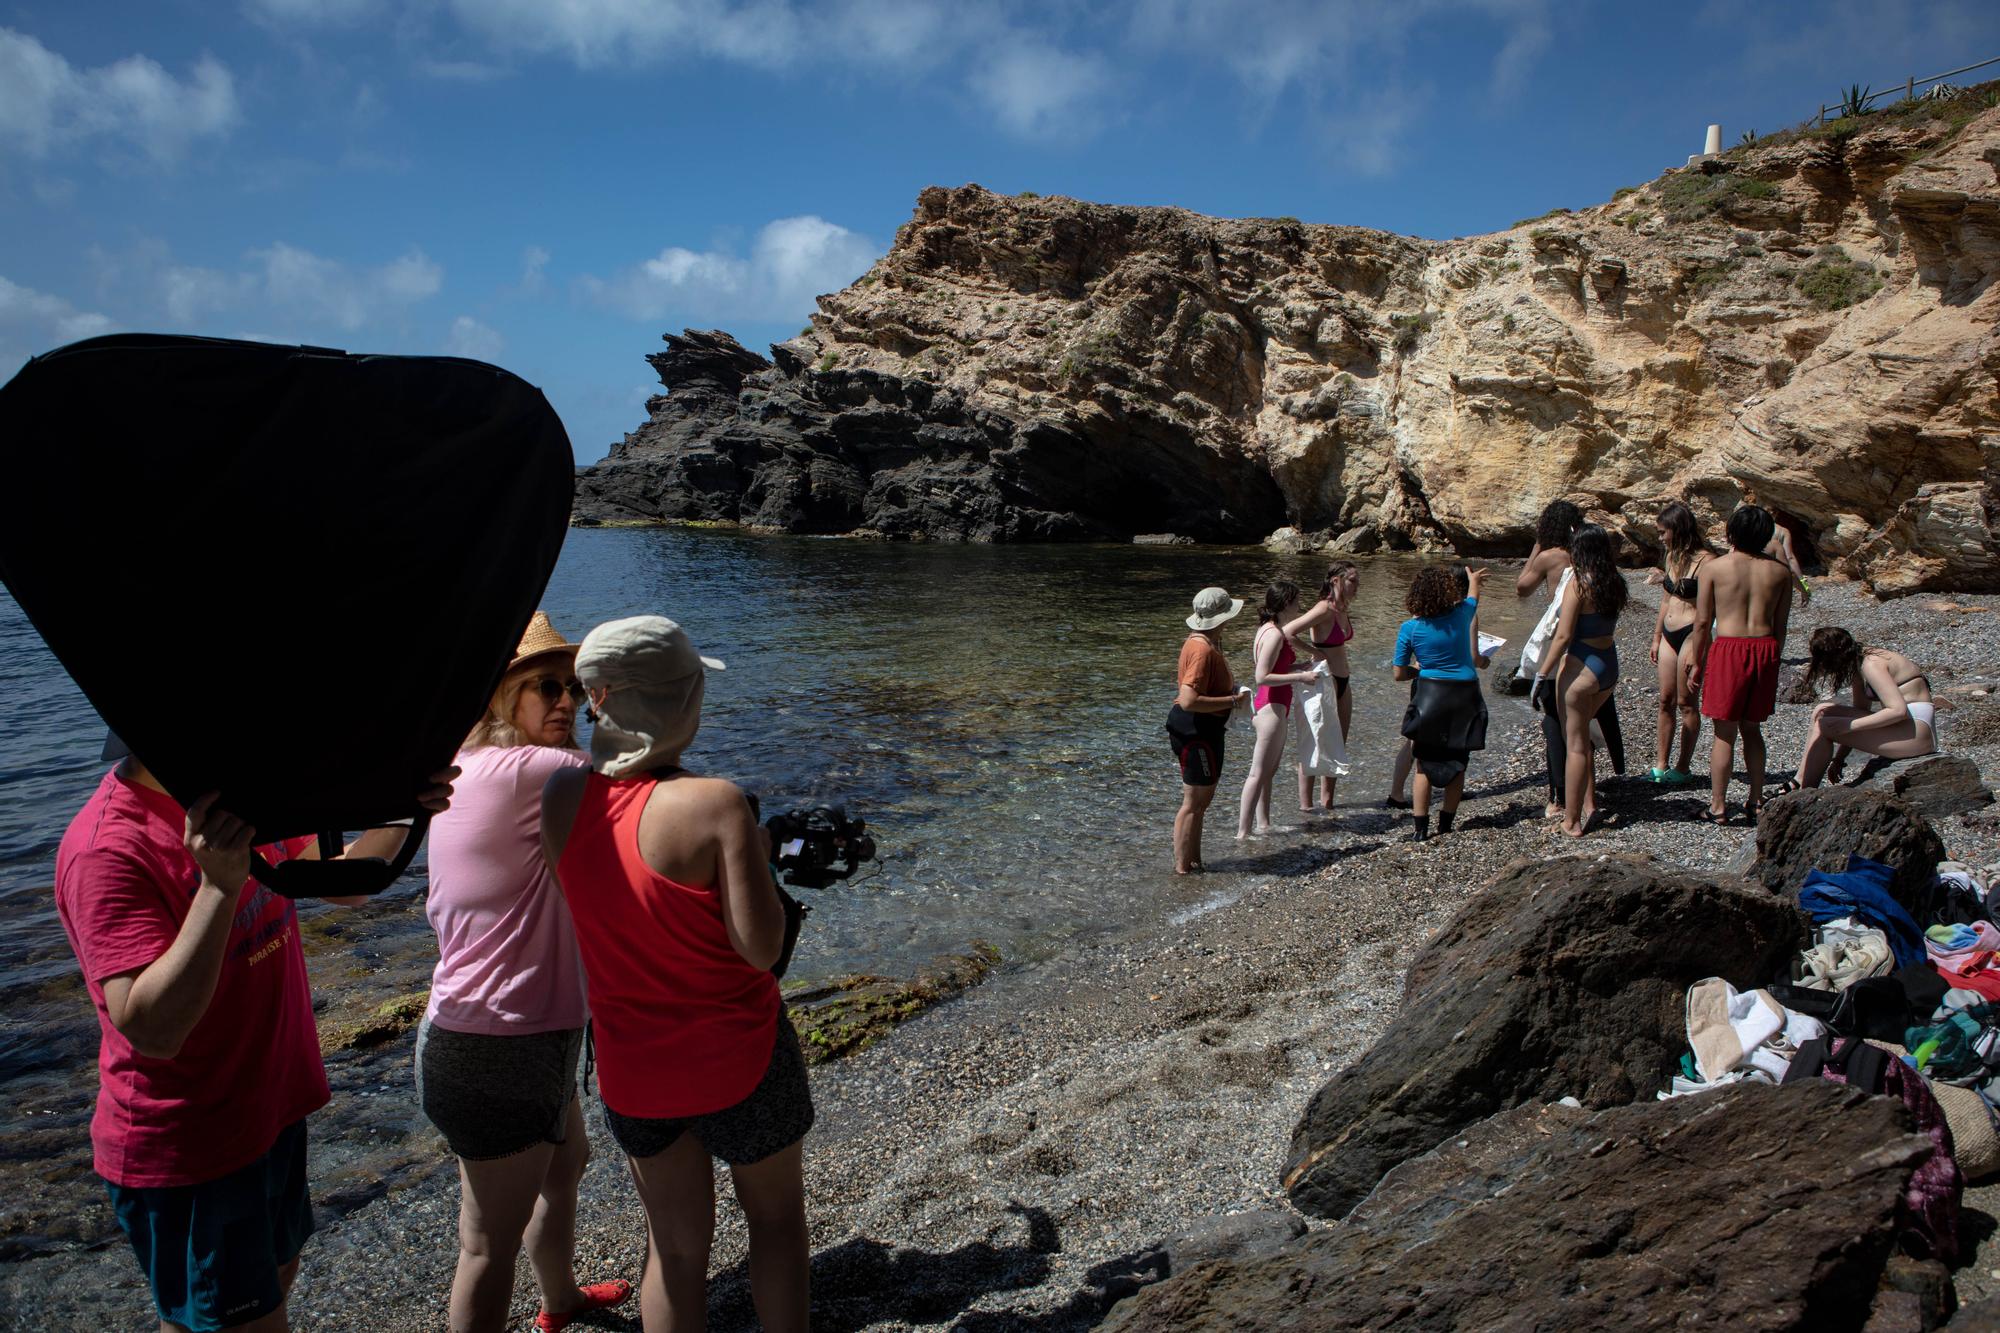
(1316, 735)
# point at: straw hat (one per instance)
(1212, 606)
(541, 639)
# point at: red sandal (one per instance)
(596, 1296)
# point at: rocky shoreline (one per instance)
(1022, 1155)
(1808, 318)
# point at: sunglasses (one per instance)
(552, 690)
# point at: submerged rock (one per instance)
(1752, 1207)
(1563, 978)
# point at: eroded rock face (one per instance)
(1754, 1207)
(1564, 978)
(1021, 368)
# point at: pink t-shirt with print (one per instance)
(507, 959)
(251, 1066)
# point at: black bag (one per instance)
(290, 575)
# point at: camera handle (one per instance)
(329, 878)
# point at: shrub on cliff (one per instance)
(1836, 281)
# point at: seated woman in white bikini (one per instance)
(1891, 716)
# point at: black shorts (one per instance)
(492, 1097)
(1197, 742)
(776, 1114)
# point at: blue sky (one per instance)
(550, 186)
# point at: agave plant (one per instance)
(1749, 137)
(1854, 101)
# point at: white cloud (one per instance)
(33, 322)
(462, 71)
(289, 281)
(470, 338)
(1041, 92)
(1343, 60)
(23, 309)
(792, 261)
(534, 270)
(596, 33)
(312, 13)
(47, 103)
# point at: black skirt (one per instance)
(1446, 722)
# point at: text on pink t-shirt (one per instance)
(251, 1066)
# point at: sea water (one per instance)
(995, 713)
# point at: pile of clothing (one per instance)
(1901, 998)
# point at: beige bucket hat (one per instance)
(1212, 606)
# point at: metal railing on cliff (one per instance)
(1850, 105)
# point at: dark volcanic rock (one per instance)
(1236, 1236)
(1564, 978)
(816, 448)
(1818, 829)
(1941, 785)
(1979, 1317)
(1752, 1207)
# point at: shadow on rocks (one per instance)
(863, 1282)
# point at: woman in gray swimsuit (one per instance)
(1682, 553)
(1891, 714)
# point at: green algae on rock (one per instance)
(846, 1014)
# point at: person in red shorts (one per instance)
(1743, 607)
(209, 1060)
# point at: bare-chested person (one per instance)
(1742, 610)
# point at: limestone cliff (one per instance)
(1809, 320)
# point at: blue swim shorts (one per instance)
(212, 1251)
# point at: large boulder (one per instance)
(1752, 1207)
(1565, 977)
(1941, 785)
(1819, 828)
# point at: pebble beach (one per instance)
(995, 1161)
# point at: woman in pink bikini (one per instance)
(1271, 709)
(1324, 631)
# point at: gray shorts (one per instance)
(776, 1114)
(492, 1097)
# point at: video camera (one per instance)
(818, 845)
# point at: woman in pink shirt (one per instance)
(497, 1053)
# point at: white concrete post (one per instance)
(1713, 144)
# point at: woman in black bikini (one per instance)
(1682, 553)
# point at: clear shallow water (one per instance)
(995, 713)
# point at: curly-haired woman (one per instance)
(1446, 717)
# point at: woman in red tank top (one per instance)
(678, 920)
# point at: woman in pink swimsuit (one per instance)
(1271, 709)
(1324, 632)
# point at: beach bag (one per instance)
(1929, 1209)
(290, 575)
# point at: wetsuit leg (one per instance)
(1614, 735)
(1555, 751)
